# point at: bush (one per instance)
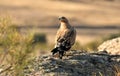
(94, 44)
(15, 49)
(111, 36)
(39, 38)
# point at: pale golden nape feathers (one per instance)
(65, 37)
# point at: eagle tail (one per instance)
(55, 50)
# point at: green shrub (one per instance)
(92, 46)
(15, 48)
(39, 38)
(77, 45)
(111, 36)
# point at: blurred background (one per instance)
(94, 20)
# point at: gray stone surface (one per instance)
(76, 63)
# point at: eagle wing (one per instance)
(66, 35)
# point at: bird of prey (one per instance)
(65, 37)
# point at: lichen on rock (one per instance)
(76, 63)
(111, 46)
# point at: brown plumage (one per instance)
(65, 37)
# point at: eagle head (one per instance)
(63, 19)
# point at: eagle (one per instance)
(65, 37)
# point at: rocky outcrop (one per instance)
(111, 46)
(75, 63)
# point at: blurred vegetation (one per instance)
(39, 38)
(89, 47)
(111, 36)
(16, 49)
(92, 46)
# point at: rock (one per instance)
(111, 46)
(76, 63)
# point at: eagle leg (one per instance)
(61, 53)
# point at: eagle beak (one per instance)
(63, 19)
(60, 18)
